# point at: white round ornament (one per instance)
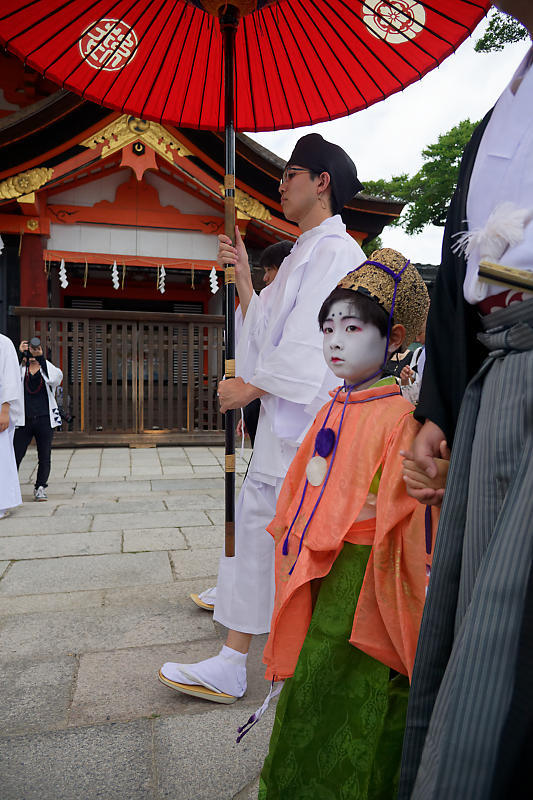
(316, 470)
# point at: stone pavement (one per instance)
(94, 589)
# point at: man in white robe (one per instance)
(11, 414)
(279, 359)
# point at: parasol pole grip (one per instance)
(229, 20)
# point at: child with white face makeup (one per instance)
(352, 554)
(353, 349)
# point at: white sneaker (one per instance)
(39, 494)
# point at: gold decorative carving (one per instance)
(229, 367)
(230, 462)
(32, 224)
(26, 198)
(24, 183)
(249, 206)
(126, 129)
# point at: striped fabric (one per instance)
(466, 657)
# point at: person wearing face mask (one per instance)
(351, 556)
(40, 379)
(279, 360)
(469, 731)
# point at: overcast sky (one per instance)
(388, 138)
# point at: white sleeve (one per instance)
(251, 336)
(295, 373)
(55, 376)
(295, 369)
(10, 385)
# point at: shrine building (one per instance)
(109, 229)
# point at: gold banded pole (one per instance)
(229, 20)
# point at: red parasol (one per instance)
(278, 64)
(297, 62)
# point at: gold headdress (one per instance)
(393, 282)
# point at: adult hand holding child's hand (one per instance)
(425, 466)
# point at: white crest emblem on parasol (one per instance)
(396, 22)
(108, 45)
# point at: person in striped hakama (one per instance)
(469, 723)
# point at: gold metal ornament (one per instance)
(249, 206)
(127, 129)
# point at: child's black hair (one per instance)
(274, 254)
(367, 310)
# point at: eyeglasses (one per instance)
(291, 173)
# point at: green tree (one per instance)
(427, 194)
(502, 29)
(374, 244)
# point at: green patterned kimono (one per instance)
(340, 719)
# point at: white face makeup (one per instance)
(353, 349)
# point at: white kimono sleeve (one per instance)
(294, 371)
(10, 386)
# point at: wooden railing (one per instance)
(132, 372)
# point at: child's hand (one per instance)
(406, 375)
(419, 485)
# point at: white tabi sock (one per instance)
(225, 672)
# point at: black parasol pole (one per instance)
(229, 20)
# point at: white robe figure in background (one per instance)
(11, 414)
(279, 359)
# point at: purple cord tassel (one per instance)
(256, 716)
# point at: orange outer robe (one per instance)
(389, 609)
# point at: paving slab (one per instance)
(228, 769)
(36, 694)
(57, 491)
(86, 572)
(202, 537)
(53, 601)
(176, 593)
(3, 566)
(150, 539)
(33, 509)
(203, 501)
(82, 473)
(63, 544)
(19, 525)
(177, 470)
(114, 472)
(113, 506)
(107, 762)
(112, 627)
(200, 459)
(200, 484)
(113, 488)
(217, 517)
(188, 564)
(152, 519)
(121, 685)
